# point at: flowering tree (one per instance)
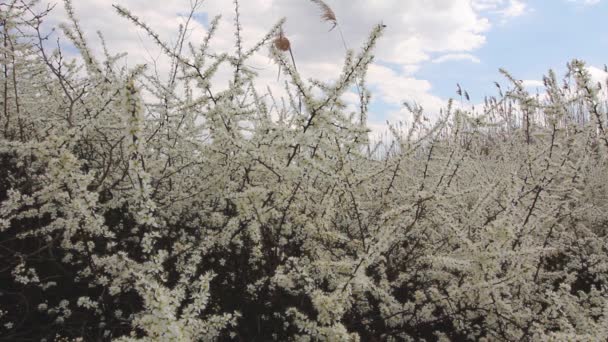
(143, 208)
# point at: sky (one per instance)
(428, 46)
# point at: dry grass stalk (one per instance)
(328, 14)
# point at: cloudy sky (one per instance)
(428, 46)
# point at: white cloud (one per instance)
(415, 31)
(598, 75)
(586, 2)
(515, 9)
(456, 57)
(506, 8)
(394, 89)
(533, 84)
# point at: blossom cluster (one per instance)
(135, 207)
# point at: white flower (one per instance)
(86, 302)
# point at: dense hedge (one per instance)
(137, 208)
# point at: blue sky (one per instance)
(545, 35)
(548, 35)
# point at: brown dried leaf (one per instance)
(281, 42)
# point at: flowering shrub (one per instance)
(139, 208)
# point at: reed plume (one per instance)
(328, 14)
